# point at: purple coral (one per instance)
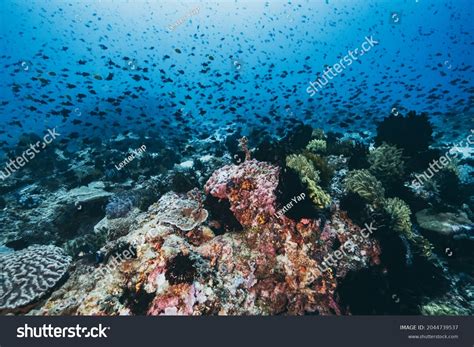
(119, 206)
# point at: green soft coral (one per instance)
(363, 183)
(316, 145)
(310, 177)
(399, 215)
(386, 163)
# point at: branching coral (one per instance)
(363, 183)
(309, 176)
(386, 163)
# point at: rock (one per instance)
(445, 223)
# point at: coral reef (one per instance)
(399, 214)
(119, 206)
(271, 267)
(29, 274)
(446, 223)
(411, 133)
(249, 189)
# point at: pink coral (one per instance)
(249, 187)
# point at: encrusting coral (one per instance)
(184, 212)
(363, 183)
(386, 163)
(309, 176)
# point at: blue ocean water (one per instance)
(115, 64)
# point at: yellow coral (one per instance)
(362, 182)
(399, 213)
(310, 177)
(316, 145)
(386, 163)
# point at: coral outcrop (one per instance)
(270, 267)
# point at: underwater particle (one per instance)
(386, 163)
(363, 183)
(78, 205)
(180, 269)
(77, 112)
(25, 65)
(30, 274)
(395, 17)
(237, 64)
(447, 64)
(131, 65)
(448, 252)
(395, 298)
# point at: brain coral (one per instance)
(29, 274)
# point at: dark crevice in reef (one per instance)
(396, 287)
(221, 218)
(290, 186)
(137, 301)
